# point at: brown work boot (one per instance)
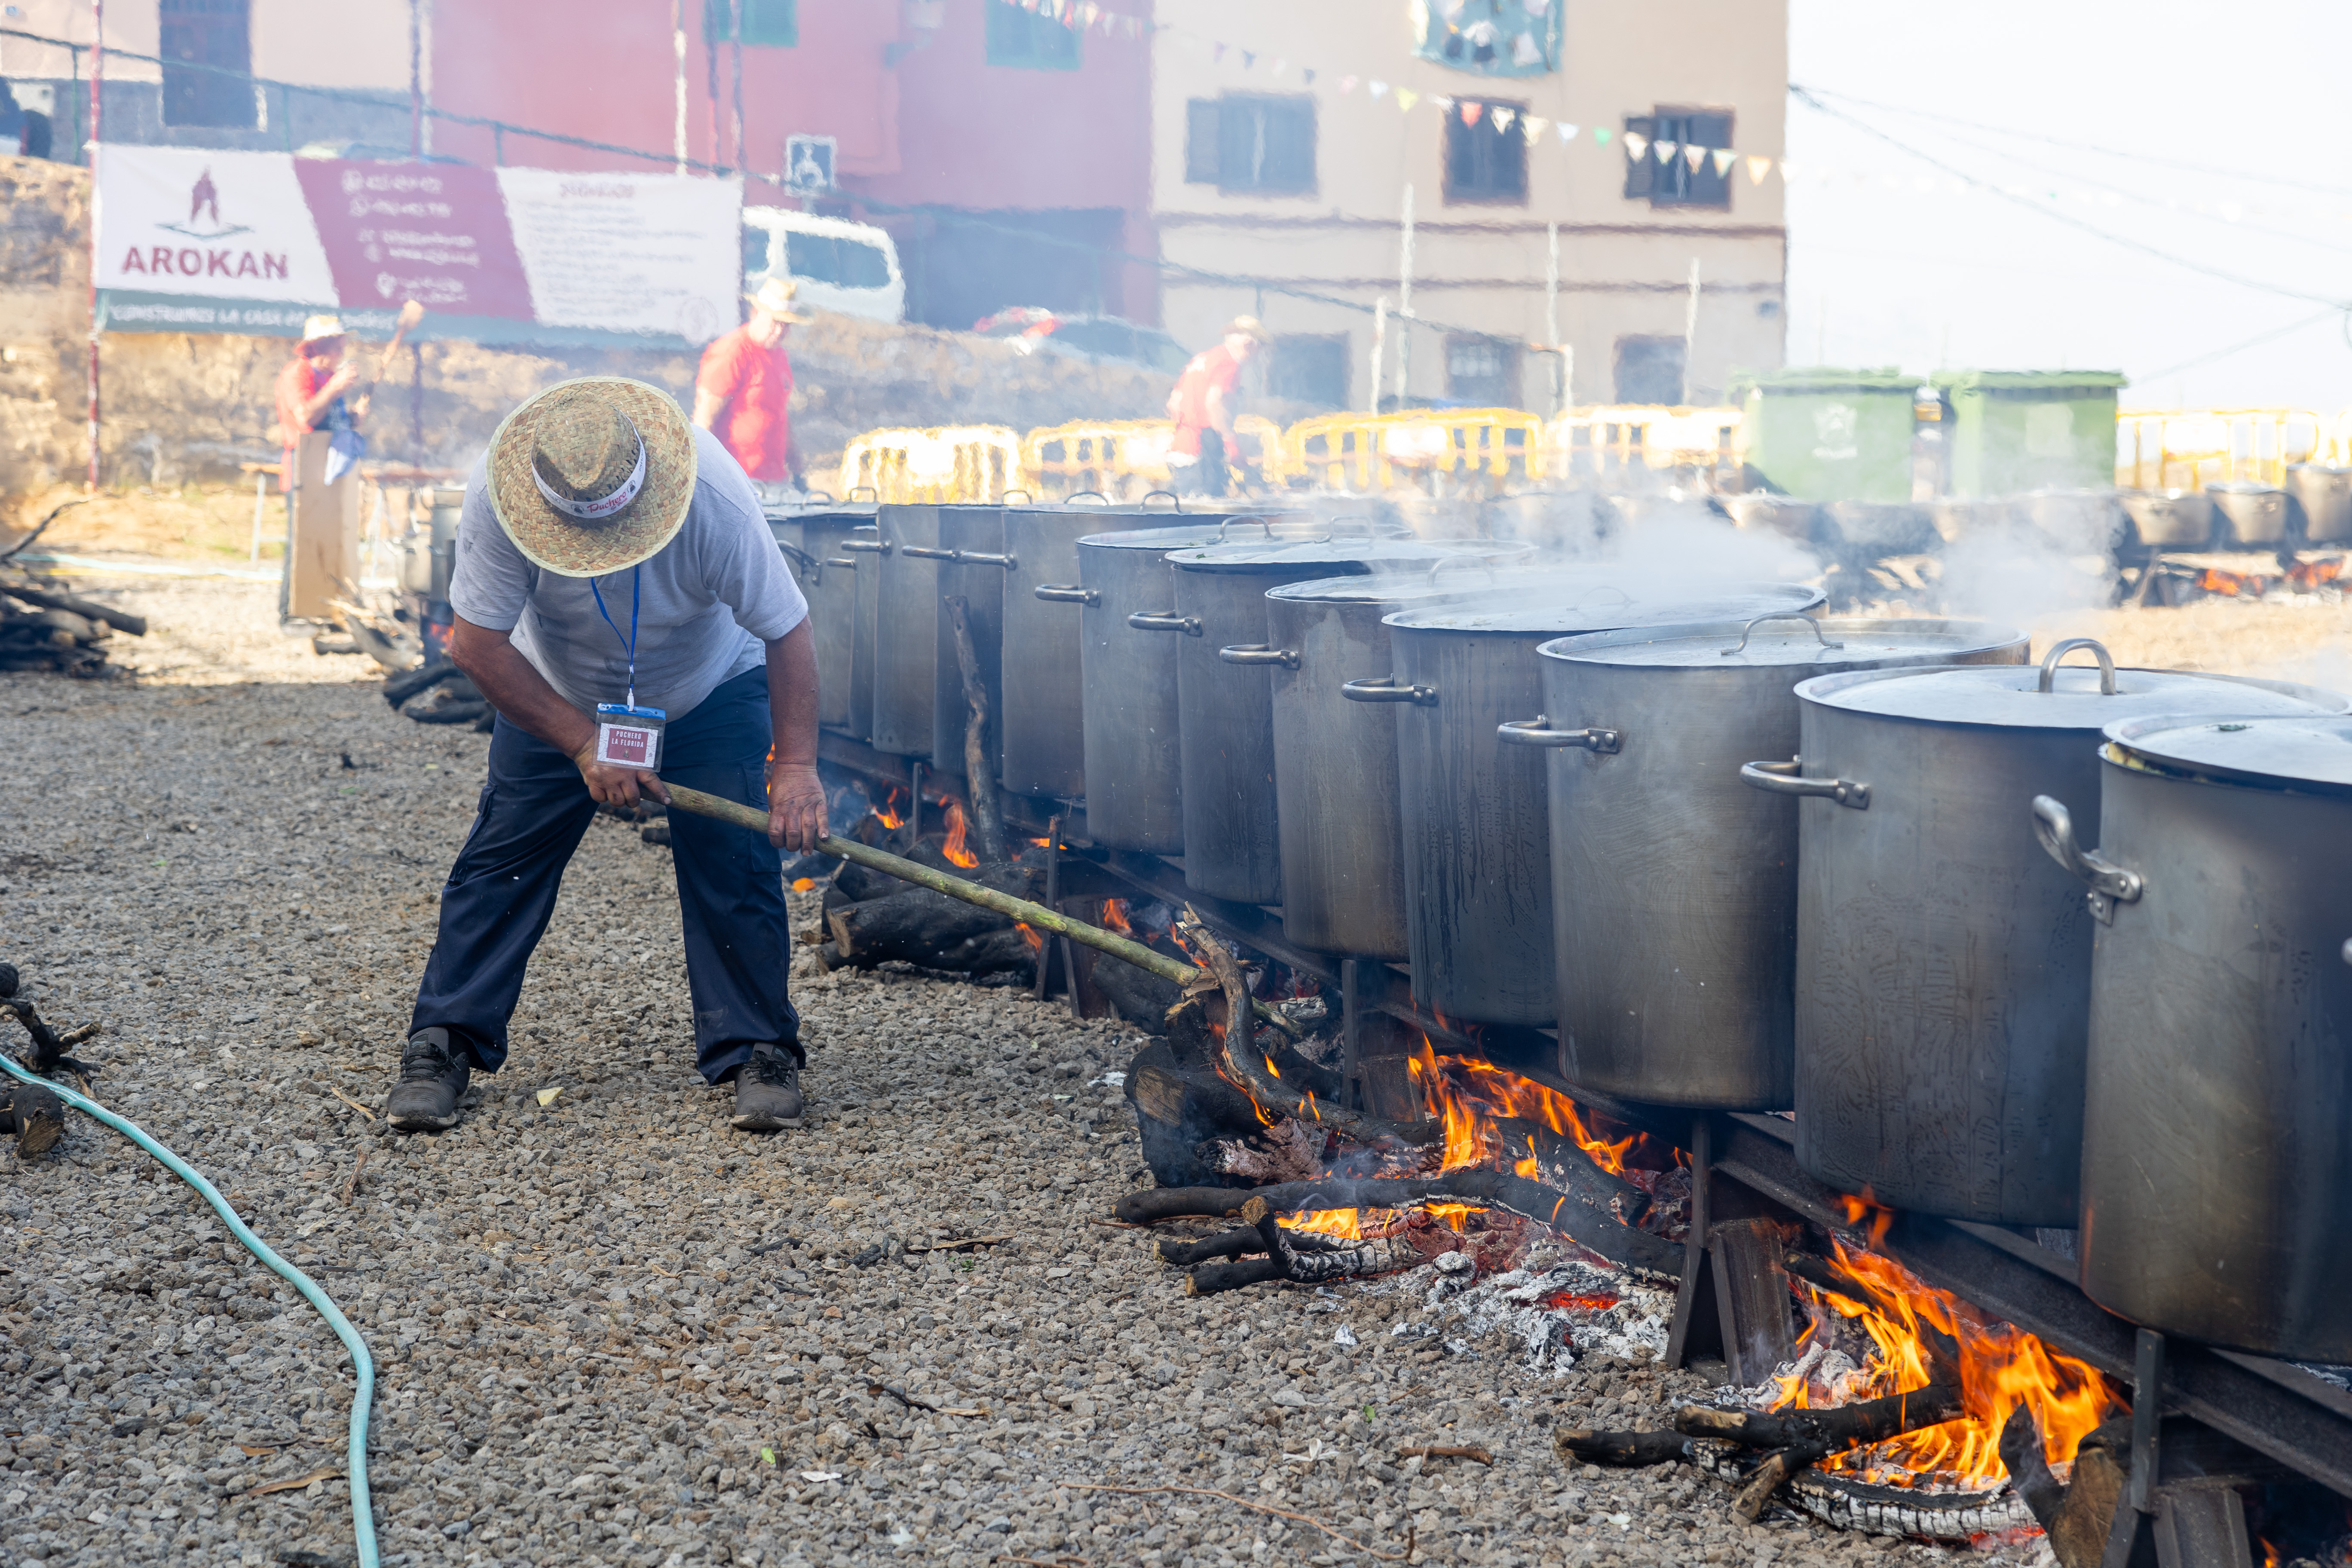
(768, 1090)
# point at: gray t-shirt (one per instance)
(706, 603)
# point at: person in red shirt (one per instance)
(311, 386)
(743, 391)
(1204, 404)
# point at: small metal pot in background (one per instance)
(1762, 512)
(812, 538)
(1674, 885)
(1943, 963)
(2322, 497)
(2169, 520)
(1477, 823)
(2217, 1163)
(914, 540)
(2254, 515)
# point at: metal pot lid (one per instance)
(1390, 582)
(1596, 599)
(2077, 697)
(2311, 750)
(1785, 638)
(1162, 539)
(1282, 554)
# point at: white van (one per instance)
(849, 268)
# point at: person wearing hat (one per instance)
(743, 390)
(1204, 404)
(622, 605)
(311, 389)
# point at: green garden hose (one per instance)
(362, 1522)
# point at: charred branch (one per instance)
(1302, 1258)
(979, 774)
(1844, 1426)
(1208, 1249)
(1211, 1279)
(1781, 1466)
(120, 620)
(1581, 1445)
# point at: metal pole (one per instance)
(1551, 316)
(1404, 302)
(415, 81)
(735, 21)
(1380, 347)
(678, 44)
(259, 482)
(1690, 329)
(96, 109)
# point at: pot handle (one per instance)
(1781, 778)
(1224, 529)
(1259, 653)
(1081, 495)
(840, 561)
(1781, 616)
(820, 498)
(1384, 689)
(1535, 732)
(1483, 563)
(856, 491)
(1165, 621)
(1067, 593)
(1171, 495)
(2050, 669)
(867, 546)
(2110, 884)
(1012, 490)
(960, 557)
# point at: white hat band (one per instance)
(592, 510)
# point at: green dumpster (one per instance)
(1830, 435)
(2018, 431)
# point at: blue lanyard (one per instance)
(616, 630)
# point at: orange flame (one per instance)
(1999, 1366)
(953, 848)
(1114, 917)
(886, 813)
(1470, 1096)
(1036, 944)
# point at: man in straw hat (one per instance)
(1204, 404)
(311, 389)
(621, 603)
(743, 390)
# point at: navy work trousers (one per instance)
(534, 808)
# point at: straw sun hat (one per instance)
(561, 469)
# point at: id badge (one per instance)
(629, 737)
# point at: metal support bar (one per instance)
(1052, 893)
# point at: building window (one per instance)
(1482, 372)
(1029, 39)
(1660, 163)
(1486, 152)
(773, 22)
(1650, 371)
(1310, 369)
(207, 64)
(1251, 144)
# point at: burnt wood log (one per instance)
(1140, 998)
(1780, 1467)
(909, 926)
(991, 952)
(1194, 1101)
(1844, 1503)
(979, 770)
(1847, 1426)
(1582, 1445)
(399, 689)
(1236, 1243)
(1303, 1258)
(120, 620)
(2030, 1473)
(1213, 1279)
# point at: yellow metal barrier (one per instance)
(1125, 459)
(2187, 449)
(1606, 440)
(1381, 451)
(953, 463)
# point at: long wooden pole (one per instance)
(1174, 970)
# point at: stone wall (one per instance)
(179, 406)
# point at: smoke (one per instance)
(2018, 561)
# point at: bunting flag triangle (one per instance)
(1637, 144)
(1376, 88)
(1088, 11)
(1347, 84)
(1471, 112)
(1694, 157)
(1503, 117)
(1724, 158)
(1278, 67)
(1249, 58)
(1307, 76)
(1664, 149)
(1787, 170)
(1567, 132)
(1533, 127)
(1601, 134)
(1406, 98)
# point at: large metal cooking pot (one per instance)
(1477, 839)
(973, 564)
(914, 540)
(2217, 1169)
(1673, 886)
(860, 549)
(1224, 702)
(2170, 519)
(812, 538)
(1045, 698)
(1943, 963)
(2253, 514)
(1335, 763)
(2323, 496)
(1133, 771)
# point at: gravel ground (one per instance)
(607, 1326)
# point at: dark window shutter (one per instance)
(1241, 146)
(1289, 146)
(1707, 188)
(1201, 121)
(1642, 172)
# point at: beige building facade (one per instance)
(1289, 138)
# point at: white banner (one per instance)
(225, 226)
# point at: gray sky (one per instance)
(1883, 271)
